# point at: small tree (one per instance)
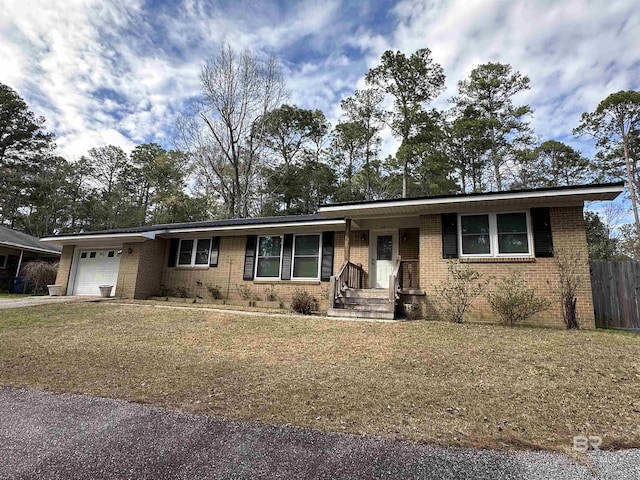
(569, 265)
(457, 292)
(514, 301)
(39, 273)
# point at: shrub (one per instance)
(457, 292)
(569, 265)
(181, 291)
(38, 274)
(245, 292)
(270, 294)
(514, 301)
(302, 302)
(214, 291)
(412, 310)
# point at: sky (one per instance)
(105, 72)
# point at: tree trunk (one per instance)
(632, 192)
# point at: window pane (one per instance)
(186, 246)
(202, 251)
(385, 247)
(513, 243)
(268, 267)
(476, 245)
(512, 223)
(307, 244)
(269, 247)
(305, 267)
(83, 255)
(475, 224)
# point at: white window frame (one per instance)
(257, 258)
(192, 264)
(493, 237)
(3, 264)
(293, 256)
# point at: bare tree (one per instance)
(223, 135)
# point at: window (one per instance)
(111, 254)
(194, 252)
(306, 257)
(269, 254)
(495, 235)
(83, 255)
(92, 255)
(3, 261)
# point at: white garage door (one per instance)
(95, 268)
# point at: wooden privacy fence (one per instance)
(616, 294)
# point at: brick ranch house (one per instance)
(361, 259)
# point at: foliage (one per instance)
(302, 302)
(514, 301)
(570, 266)
(223, 135)
(551, 164)
(245, 292)
(615, 124)
(412, 82)
(413, 310)
(601, 245)
(214, 291)
(489, 91)
(270, 294)
(628, 242)
(181, 291)
(457, 292)
(38, 274)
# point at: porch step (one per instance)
(350, 300)
(344, 312)
(380, 307)
(381, 293)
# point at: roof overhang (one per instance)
(30, 249)
(322, 224)
(456, 203)
(107, 239)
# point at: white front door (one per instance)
(383, 257)
(95, 268)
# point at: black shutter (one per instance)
(449, 235)
(173, 252)
(249, 257)
(287, 249)
(215, 249)
(326, 269)
(542, 236)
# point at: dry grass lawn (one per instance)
(470, 385)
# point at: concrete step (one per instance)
(366, 293)
(365, 308)
(362, 301)
(342, 312)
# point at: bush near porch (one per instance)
(470, 385)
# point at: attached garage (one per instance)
(95, 268)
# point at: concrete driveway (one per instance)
(49, 436)
(17, 302)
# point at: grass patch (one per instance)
(14, 295)
(469, 385)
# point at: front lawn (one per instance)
(471, 385)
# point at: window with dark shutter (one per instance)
(249, 257)
(287, 248)
(173, 252)
(449, 235)
(327, 256)
(215, 250)
(542, 235)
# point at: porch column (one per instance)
(347, 240)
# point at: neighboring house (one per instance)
(359, 259)
(16, 249)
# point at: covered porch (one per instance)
(380, 266)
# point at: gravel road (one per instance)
(48, 436)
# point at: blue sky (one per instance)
(121, 72)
